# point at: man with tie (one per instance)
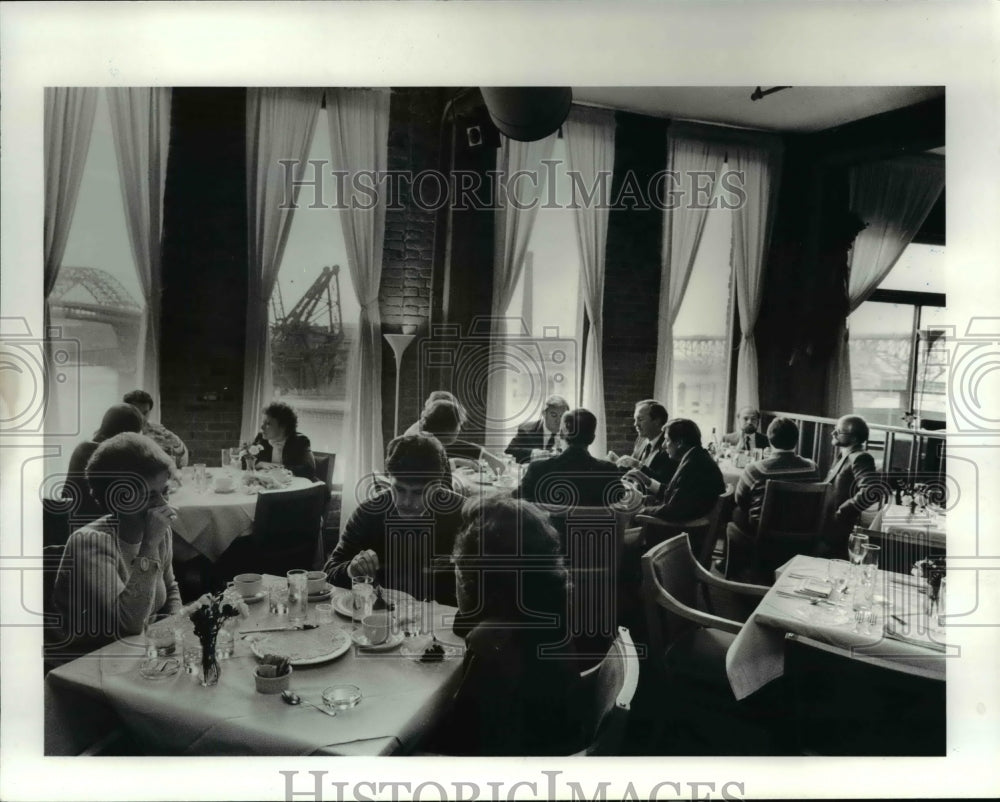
(648, 455)
(538, 438)
(748, 437)
(854, 480)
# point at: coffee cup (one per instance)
(223, 483)
(315, 582)
(376, 628)
(248, 585)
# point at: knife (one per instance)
(278, 629)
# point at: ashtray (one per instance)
(341, 697)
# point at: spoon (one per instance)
(292, 698)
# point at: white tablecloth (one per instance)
(896, 519)
(757, 656)
(209, 522)
(402, 698)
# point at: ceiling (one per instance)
(801, 109)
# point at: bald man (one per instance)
(748, 436)
(854, 479)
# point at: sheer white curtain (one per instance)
(69, 121)
(512, 231)
(761, 169)
(688, 153)
(280, 125)
(140, 127)
(893, 198)
(359, 139)
(590, 143)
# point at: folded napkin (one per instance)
(814, 588)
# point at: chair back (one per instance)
(704, 531)
(792, 518)
(593, 540)
(325, 463)
(287, 527)
(609, 688)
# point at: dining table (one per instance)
(403, 697)
(898, 634)
(209, 521)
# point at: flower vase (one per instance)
(210, 669)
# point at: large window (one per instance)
(703, 331)
(314, 311)
(896, 340)
(97, 300)
(545, 316)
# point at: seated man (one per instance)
(696, 485)
(538, 436)
(855, 482)
(158, 433)
(747, 437)
(417, 517)
(783, 464)
(648, 455)
(443, 419)
(573, 477)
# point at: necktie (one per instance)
(552, 443)
(644, 454)
(746, 443)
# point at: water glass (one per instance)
(298, 595)
(837, 573)
(341, 697)
(200, 477)
(224, 643)
(191, 646)
(160, 643)
(324, 613)
(278, 601)
(362, 597)
(224, 460)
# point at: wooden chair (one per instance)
(325, 463)
(704, 531)
(610, 686)
(286, 534)
(792, 518)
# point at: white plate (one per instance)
(310, 641)
(224, 492)
(342, 600)
(394, 639)
(323, 595)
(257, 597)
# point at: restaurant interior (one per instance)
(239, 282)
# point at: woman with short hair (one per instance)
(117, 571)
(282, 444)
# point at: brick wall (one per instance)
(408, 250)
(632, 280)
(204, 256)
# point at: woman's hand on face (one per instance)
(364, 563)
(159, 521)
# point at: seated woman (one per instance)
(282, 443)
(520, 688)
(416, 517)
(444, 418)
(117, 571)
(119, 418)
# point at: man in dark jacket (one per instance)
(854, 479)
(573, 477)
(537, 436)
(697, 483)
(748, 437)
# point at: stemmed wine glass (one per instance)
(857, 547)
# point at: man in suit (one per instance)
(854, 479)
(538, 436)
(573, 477)
(697, 483)
(747, 437)
(648, 455)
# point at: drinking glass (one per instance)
(341, 697)
(837, 573)
(278, 601)
(857, 543)
(224, 643)
(160, 642)
(200, 477)
(324, 613)
(224, 459)
(191, 646)
(297, 595)
(362, 597)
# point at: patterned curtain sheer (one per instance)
(590, 142)
(689, 152)
(893, 198)
(512, 231)
(760, 166)
(359, 138)
(280, 125)
(140, 127)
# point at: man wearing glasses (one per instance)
(854, 479)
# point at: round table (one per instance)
(207, 523)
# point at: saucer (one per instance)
(394, 639)
(224, 492)
(257, 597)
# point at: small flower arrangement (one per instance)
(248, 454)
(208, 618)
(932, 570)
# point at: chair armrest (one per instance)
(740, 588)
(680, 526)
(697, 616)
